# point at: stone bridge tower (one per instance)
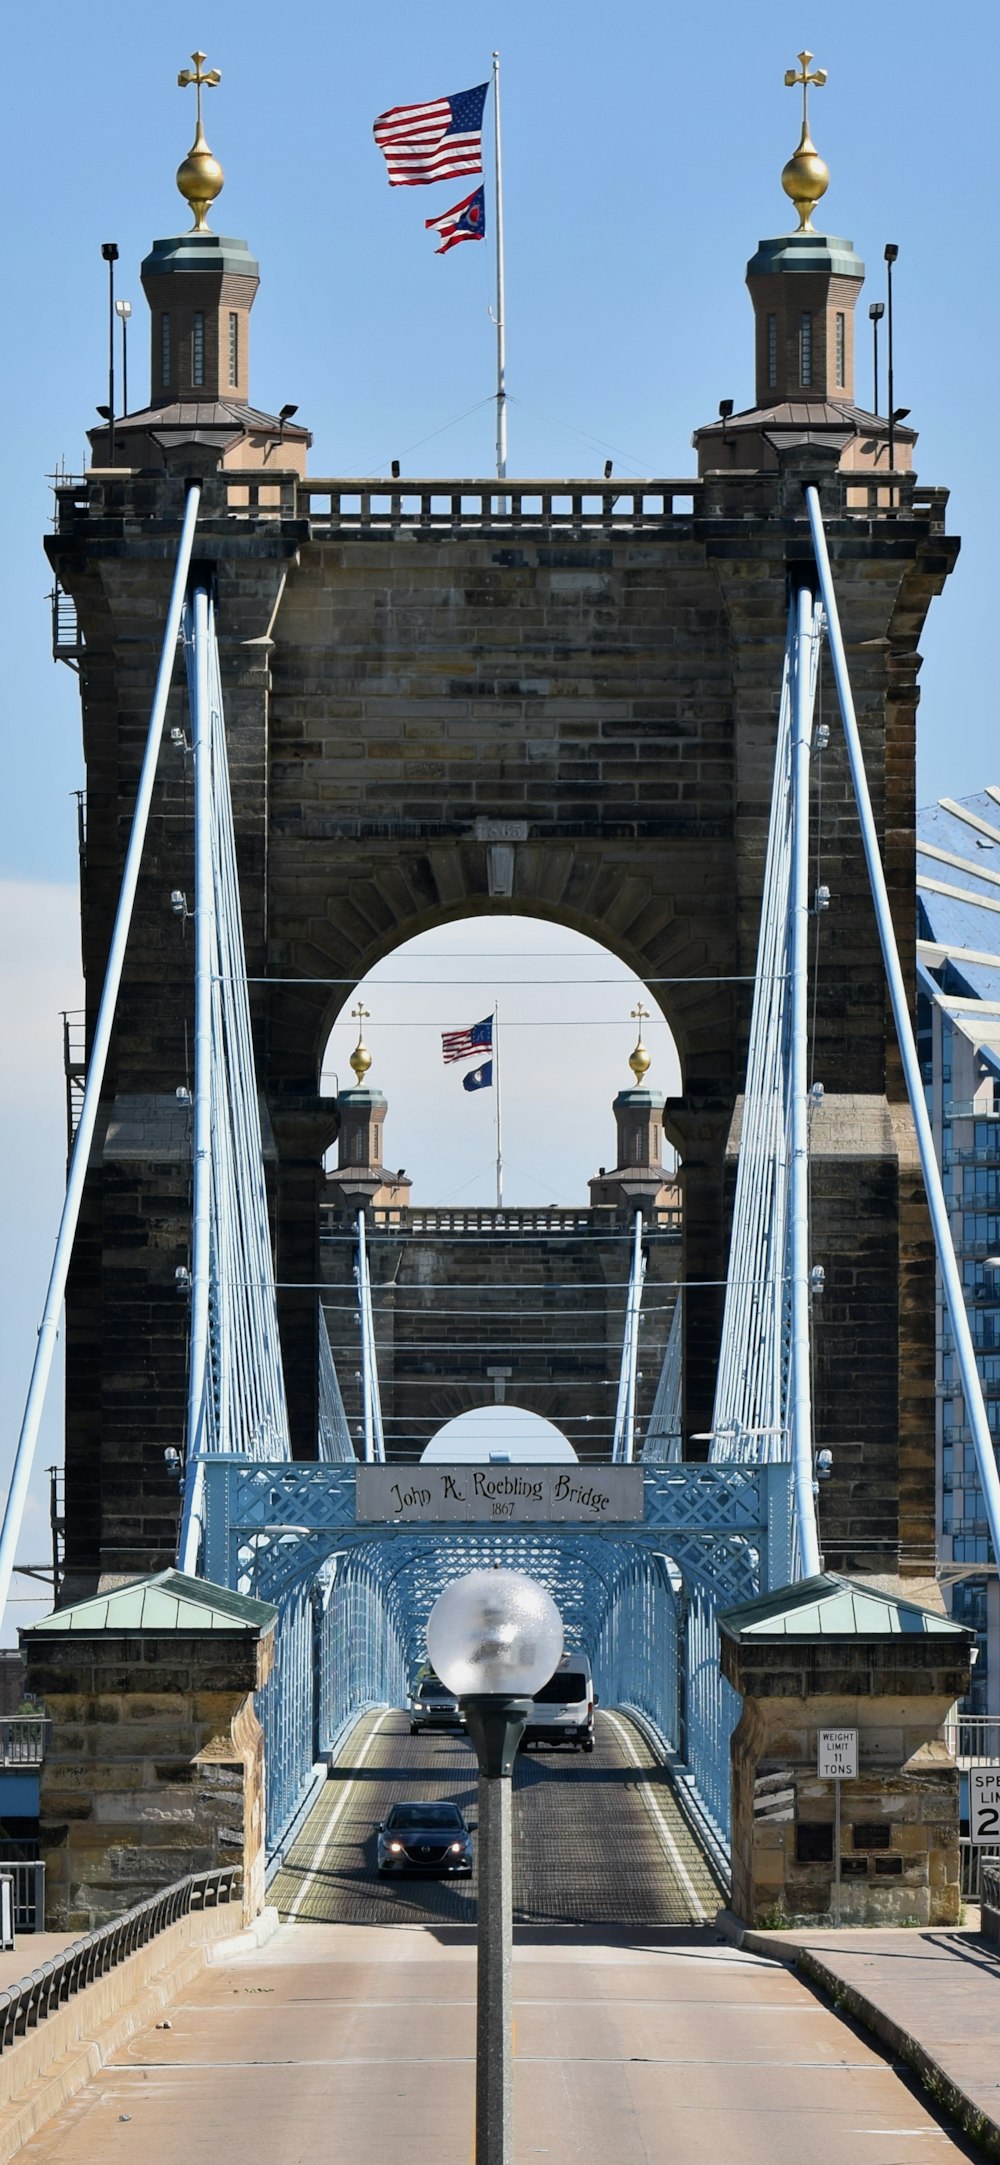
(441, 702)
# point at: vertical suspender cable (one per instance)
(374, 1437)
(800, 1393)
(199, 1375)
(947, 1262)
(48, 1329)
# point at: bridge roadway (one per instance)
(640, 2039)
(598, 1837)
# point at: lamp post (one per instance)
(109, 250)
(891, 252)
(875, 315)
(494, 1637)
(123, 310)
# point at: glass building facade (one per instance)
(958, 1023)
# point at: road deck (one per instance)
(598, 1838)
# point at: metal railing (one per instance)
(989, 1883)
(974, 1863)
(974, 1738)
(48, 1988)
(23, 1738)
(28, 1875)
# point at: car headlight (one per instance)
(457, 1848)
(396, 1848)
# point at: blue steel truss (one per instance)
(354, 1598)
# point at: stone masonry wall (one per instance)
(155, 1767)
(899, 1819)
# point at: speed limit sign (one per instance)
(984, 1805)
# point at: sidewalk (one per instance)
(932, 1996)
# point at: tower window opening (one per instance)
(840, 346)
(805, 351)
(165, 351)
(772, 353)
(234, 348)
(198, 349)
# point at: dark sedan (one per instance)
(424, 1837)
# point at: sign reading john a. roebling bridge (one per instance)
(515, 1495)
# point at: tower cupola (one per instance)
(804, 287)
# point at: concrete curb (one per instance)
(247, 1942)
(983, 2127)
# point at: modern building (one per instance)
(958, 1017)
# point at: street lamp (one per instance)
(123, 310)
(494, 1637)
(109, 250)
(875, 315)
(891, 251)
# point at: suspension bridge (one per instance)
(640, 1565)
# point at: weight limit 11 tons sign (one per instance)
(837, 1755)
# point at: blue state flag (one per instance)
(479, 1078)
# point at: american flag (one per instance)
(435, 141)
(466, 1044)
(463, 222)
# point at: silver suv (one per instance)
(432, 1706)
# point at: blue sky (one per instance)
(643, 148)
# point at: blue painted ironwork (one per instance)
(236, 1386)
(334, 1439)
(763, 1404)
(662, 1445)
(623, 1444)
(374, 1439)
(631, 1594)
(972, 1389)
(48, 1329)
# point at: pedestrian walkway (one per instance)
(931, 1997)
(353, 2045)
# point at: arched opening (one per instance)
(498, 1435)
(499, 1186)
(563, 1033)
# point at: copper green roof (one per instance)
(829, 1607)
(167, 1601)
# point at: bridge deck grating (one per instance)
(598, 1839)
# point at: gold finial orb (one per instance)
(361, 1058)
(806, 177)
(200, 177)
(640, 1061)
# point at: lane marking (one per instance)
(291, 1914)
(652, 1804)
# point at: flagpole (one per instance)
(499, 318)
(496, 1079)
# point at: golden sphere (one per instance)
(360, 1061)
(640, 1061)
(200, 179)
(805, 178)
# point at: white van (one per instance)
(562, 1711)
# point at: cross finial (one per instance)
(360, 1059)
(802, 75)
(194, 75)
(805, 177)
(639, 1060)
(200, 176)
